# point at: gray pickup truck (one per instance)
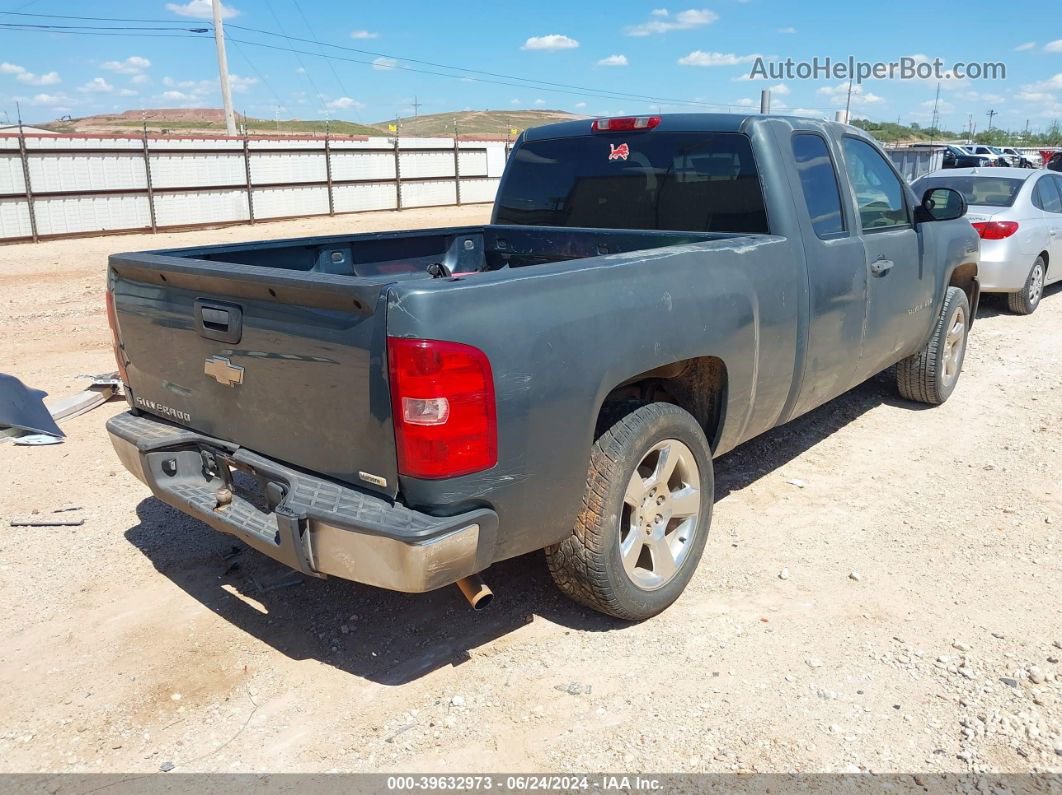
(404, 409)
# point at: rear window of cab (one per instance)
(692, 182)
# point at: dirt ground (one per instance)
(880, 591)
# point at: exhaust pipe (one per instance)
(477, 592)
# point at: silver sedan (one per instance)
(1018, 214)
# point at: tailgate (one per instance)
(287, 364)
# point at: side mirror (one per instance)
(941, 204)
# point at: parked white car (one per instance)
(1018, 214)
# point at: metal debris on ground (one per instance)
(23, 409)
(33, 521)
(286, 581)
(34, 439)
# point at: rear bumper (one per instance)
(308, 523)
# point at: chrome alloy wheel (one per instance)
(1036, 284)
(661, 508)
(953, 346)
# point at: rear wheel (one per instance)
(1025, 301)
(930, 375)
(645, 515)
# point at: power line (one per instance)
(531, 83)
(254, 69)
(580, 93)
(302, 67)
(63, 28)
(92, 19)
(496, 78)
(335, 74)
(120, 35)
(502, 75)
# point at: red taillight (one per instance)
(119, 355)
(442, 403)
(995, 230)
(622, 123)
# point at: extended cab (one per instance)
(404, 409)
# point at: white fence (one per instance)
(69, 185)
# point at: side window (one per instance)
(878, 191)
(818, 181)
(1048, 194)
(1057, 182)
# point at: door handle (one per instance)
(880, 266)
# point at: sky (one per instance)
(589, 57)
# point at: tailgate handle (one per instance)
(217, 320)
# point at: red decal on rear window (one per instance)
(620, 152)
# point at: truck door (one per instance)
(837, 277)
(899, 290)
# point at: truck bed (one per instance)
(279, 346)
(461, 249)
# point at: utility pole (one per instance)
(416, 107)
(969, 126)
(936, 114)
(223, 68)
(848, 103)
(991, 113)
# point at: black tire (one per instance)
(587, 566)
(1025, 301)
(924, 377)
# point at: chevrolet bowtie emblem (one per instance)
(223, 371)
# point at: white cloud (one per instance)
(613, 60)
(781, 90)
(787, 30)
(133, 65)
(1053, 46)
(241, 84)
(141, 80)
(192, 88)
(838, 95)
(1051, 84)
(812, 112)
(664, 23)
(1026, 46)
(515, 102)
(551, 42)
(97, 85)
(177, 96)
(702, 58)
(942, 107)
(540, 102)
(49, 99)
(23, 75)
(580, 104)
(745, 102)
(127, 92)
(200, 9)
(48, 79)
(344, 103)
(383, 63)
(363, 34)
(658, 12)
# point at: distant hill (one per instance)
(202, 121)
(477, 122)
(211, 121)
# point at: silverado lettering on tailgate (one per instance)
(165, 411)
